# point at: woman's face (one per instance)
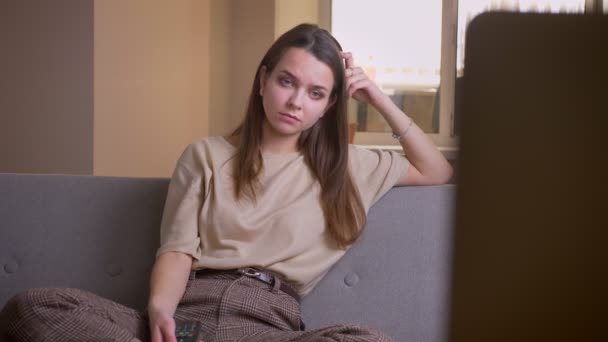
(296, 93)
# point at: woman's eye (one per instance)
(316, 94)
(285, 81)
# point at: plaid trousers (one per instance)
(230, 308)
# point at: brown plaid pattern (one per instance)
(230, 307)
(66, 314)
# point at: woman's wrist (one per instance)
(159, 306)
(400, 135)
(384, 105)
(394, 116)
(381, 101)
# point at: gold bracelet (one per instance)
(402, 135)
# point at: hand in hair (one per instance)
(358, 84)
(427, 165)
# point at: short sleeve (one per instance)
(179, 225)
(375, 172)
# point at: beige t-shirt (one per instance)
(284, 232)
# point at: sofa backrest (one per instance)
(95, 233)
(396, 277)
(101, 234)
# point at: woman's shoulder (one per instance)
(362, 155)
(215, 142)
(364, 161)
(212, 143)
(206, 150)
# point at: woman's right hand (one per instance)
(167, 285)
(162, 326)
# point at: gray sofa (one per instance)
(101, 234)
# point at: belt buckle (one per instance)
(250, 272)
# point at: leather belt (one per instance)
(255, 273)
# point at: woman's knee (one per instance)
(33, 303)
(23, 301)
(19, 312)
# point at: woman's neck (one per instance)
(275, 147)
(278, 144)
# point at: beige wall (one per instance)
(252, 33)
(151, 83)
(158, 75)
(46, 92)
(289, 13)
(219, 60)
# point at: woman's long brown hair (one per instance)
(324, 145)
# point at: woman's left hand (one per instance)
(358, 84)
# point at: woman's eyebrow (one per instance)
(317, 86)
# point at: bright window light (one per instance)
(397, 42)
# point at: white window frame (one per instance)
(445, 139)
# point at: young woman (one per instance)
(254, 220)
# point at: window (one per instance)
(414, 50)
(398, 44)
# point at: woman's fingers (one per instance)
(357, 77)
(353, 71)
(359, 84)
(156, 335)
(349, 62)
(162, 326)
(168, 333)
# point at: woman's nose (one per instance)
(296, 98)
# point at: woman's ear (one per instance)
(263, 77)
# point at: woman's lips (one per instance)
(289, 116)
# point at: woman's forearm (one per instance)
(417, 146)
(168, 281)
